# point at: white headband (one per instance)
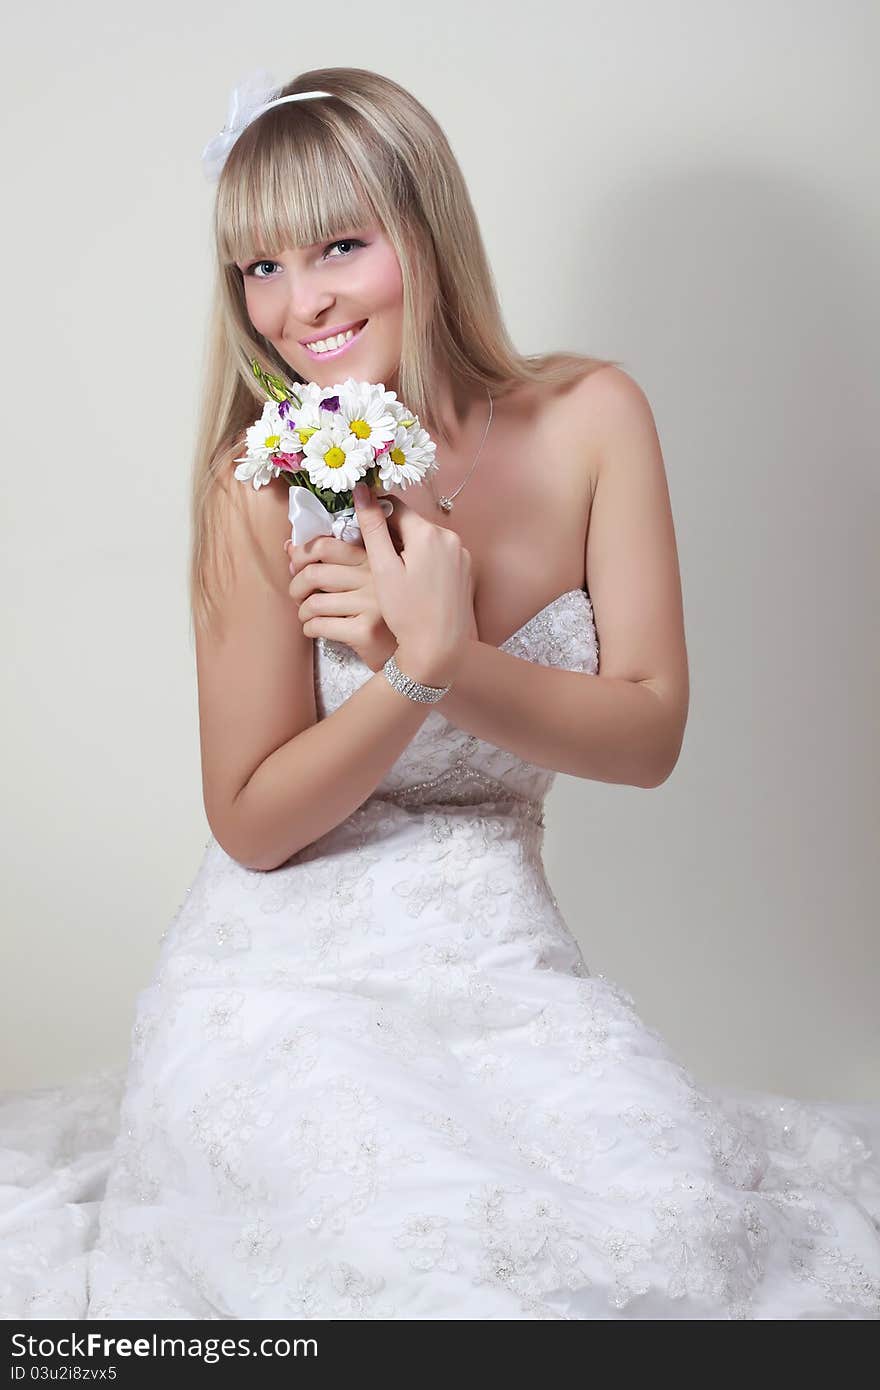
(249, 99)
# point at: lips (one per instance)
(359, 325)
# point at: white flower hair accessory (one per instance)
(248, 99)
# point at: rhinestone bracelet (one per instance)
(414, 689)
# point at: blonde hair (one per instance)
(301, 173)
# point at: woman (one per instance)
(373, 1076)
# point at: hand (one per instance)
(425, 593)
(334, 589)
(341, 569)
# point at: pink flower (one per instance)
(289, 463)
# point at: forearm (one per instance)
(316, 780)
(587, 725)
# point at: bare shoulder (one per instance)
(617, 411)
(258, 520)
(595, 410)
(264, 505)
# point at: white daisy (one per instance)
(307, 417)
(334, 458)
(411, 456)
(366, 410)
(267, 436)
(399, 410)
(261, 473)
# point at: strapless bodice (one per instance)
(444, 765)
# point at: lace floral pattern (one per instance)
(381, 1082)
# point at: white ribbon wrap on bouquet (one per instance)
(309, 517)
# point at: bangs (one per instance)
(293, 187)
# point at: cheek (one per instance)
(386, 282)
(261, 315)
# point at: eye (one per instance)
(342, 241)
(249, 270)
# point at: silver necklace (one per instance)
(444, 503)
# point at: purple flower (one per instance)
(330, 403)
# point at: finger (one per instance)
(325, 578)
(374, 528)
(332, 550)
(336, 629)
(405, 521)
(326, 549)
(334, 605)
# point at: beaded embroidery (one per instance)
(380, 1082)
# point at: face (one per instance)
(314, 293)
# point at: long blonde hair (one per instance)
(300, 174)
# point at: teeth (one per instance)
(328, 344)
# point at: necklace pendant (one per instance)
(445, 504)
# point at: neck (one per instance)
(453, 407)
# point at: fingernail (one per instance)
(286, 545)
(360, 494)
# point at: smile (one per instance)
(348, 338)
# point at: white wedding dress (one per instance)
(381, 1082)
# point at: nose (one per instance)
(304, 317)
(308, 303)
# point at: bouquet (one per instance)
(324, 440)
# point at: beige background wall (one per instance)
(690, 187)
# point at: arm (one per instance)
(274, 777)
(314, 781)
(625, 724)
(602, 727)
